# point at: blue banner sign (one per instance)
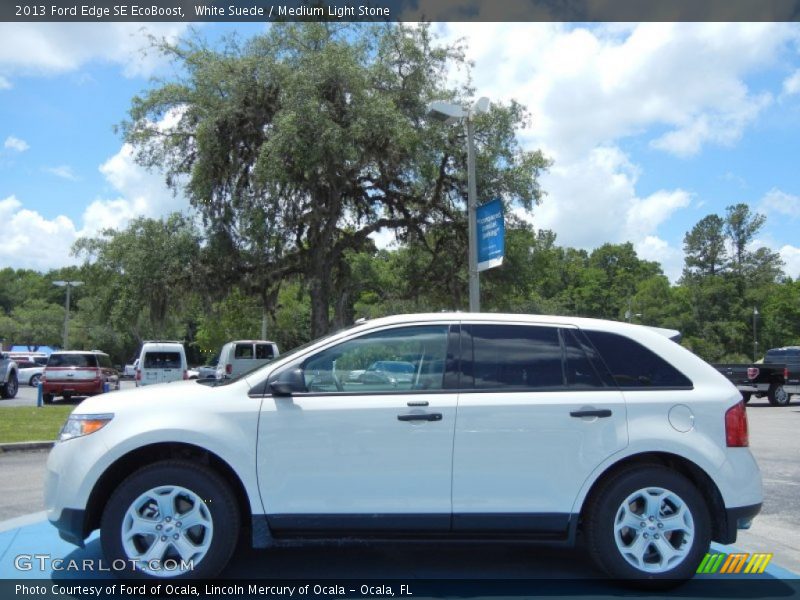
(491, 235)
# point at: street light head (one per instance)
(60, 283)
(481, 106)
(446, 111)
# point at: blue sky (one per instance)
(651, 127)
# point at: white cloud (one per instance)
(39, 243)
(63, 171)
(32, 242)
(49, 48)
(678, 87)
(791, 258)
(791, 85)
(5, 84)
(16, 144)
(777, 201)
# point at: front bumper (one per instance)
(71, 525)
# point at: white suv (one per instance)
(511, 427)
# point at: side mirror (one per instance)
(288, 383)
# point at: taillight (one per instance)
(138, 375)
(185, 374)
(736, 426)
(785, 373)
(229, 368)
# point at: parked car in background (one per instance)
(241, 356)
(129, 372)
(513, 427)
(29, 372)
(77, 373)
(208, 371)
(9, 380)
(161, 362)
(777, 377)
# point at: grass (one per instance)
(28, 424)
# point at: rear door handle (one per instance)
(420, 417)
(601, 413)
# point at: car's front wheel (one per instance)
(648, 524)
(171, 519)
(9, 389)
(34, 380)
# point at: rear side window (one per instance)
(264, 351)
(243, 351)
(634, 366)
(72, 360)
(506, 357)
(162, 360)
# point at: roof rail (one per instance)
(161, 342)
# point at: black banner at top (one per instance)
(399, 10)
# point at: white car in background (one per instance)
(512, 427)
(29, 373)
(241, 356)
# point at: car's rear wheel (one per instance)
(9, 389)
(34, 380)
(649, 525)
(746, 396)
(172, 519)
(47, 398)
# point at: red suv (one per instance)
(77, 373)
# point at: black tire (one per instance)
(9, 389)
(608, 505)
(34, 380)
(202, 490)
(777, 395)
(746, 396)
(47, 398)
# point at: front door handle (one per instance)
(601, 413)
(420, 417)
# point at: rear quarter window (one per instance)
(632, 365)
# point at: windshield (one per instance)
(289, 354)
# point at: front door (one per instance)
(367, 446)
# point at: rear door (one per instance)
(535, 418)
(161, 366)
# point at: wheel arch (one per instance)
(695, 474)
(153, 453)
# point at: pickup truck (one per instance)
(9, 379)
(777, 378)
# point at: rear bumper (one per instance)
(79, 388)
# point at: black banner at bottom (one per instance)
(411, 589)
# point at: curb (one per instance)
(24, 446)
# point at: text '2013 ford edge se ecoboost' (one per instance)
(511, 427)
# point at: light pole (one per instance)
(755, 337)
(450, 113)
(69, 285)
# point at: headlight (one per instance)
(80, 425)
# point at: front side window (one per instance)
(512, 357)
(634, 366)
(402, 359)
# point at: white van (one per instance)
(161, 362)
(241, 356)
